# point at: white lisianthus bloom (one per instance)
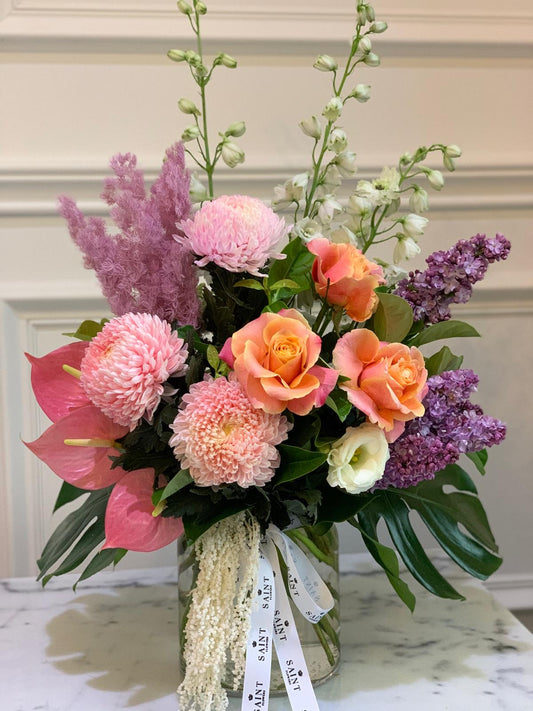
(357, 460)
(418, 201)
(414, 225)
(406, 248)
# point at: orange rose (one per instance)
(387, 380)
(274, 360)
(345, 277)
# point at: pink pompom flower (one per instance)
(236, 232)
(126, 365)
(222, 439)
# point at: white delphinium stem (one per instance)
(219, 616)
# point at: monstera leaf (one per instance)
(444, 513)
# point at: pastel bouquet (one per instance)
(262, 380)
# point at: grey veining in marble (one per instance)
(113, 645)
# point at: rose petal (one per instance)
(56, 391)
(84, 467)
(129, 522)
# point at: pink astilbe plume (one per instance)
(141, 268)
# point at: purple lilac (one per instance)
(142, 268)
(450, 276)
(450, 426)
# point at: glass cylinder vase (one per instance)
(320, 642)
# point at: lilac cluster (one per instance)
(450, 276)
(451, 426)
(142, 269)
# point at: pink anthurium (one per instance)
(129, 519)
(85, 461)
(57, 391)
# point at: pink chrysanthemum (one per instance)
(222, 439)
(126, 364)
(237, 232)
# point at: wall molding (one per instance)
(31, 191)
(513, 591)
(292, 29)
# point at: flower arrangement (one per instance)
(262, 376)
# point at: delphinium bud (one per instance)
(231, 154)
(197, 191)
(337, 140)
(372, 60)
(200, 7)
(418, 201)
(226, 60)
(184, 7)
(406, 248)
(346, 163)
(176, 55)
(378, 27)
(187, 106)
(190, 133)
(413, 225)
(361, 93)
(365, 45)
(436, 179)
(235, 129)
(325, 63)
(448, 155)
(311, 127)
(333, 109)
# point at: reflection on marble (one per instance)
(113, 645)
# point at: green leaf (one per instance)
(479, 459)
(287, 284)
(275, 307)
(465, 508)
(72, 527)
(443, 360)
(383, 555)
(338, 505)
(87, 330)
(180, 481)
(393, 318)
(212, 357)
(250, 284)
(298, 262)
(67, 493)
(396, 515)
(109, 556)
(464, 550)
(444, 329)
(91, 538)
(338, 401)
(296, 462)
(194, 527)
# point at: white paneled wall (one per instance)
(83, 79)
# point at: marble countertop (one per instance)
(113, 645)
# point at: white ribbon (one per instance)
(272, 620)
